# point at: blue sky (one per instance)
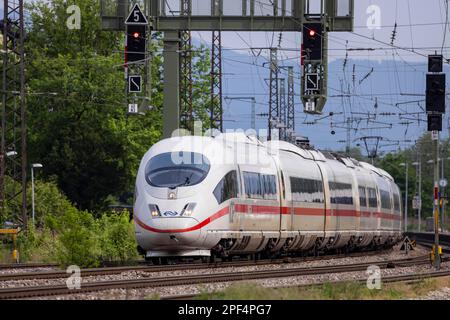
(398, 76)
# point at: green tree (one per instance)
(78, 123)
(78, 126)
(78, 242)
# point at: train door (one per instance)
(331, 223)
(286, 206)
(326, 193)
(284, 195)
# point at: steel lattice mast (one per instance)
(291, 101)
(283, 109)
(186, 103)
(13, 156)
(273, 92)
(216, 110)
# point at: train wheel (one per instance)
(156, 261)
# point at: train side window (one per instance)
(373, 201)
(362, 196)
(386, 202)
(253, 185)
(227, 188)
(341, 193)
(270, 186)
(396, 202)
(306, 190)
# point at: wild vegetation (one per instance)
(67, 235)
(422, 152)
(79, 129)
(327, 291)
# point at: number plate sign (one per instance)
(136, 16)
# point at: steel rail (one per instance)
(386, 279)
(38, 291)
(55, 274)
(27, 265)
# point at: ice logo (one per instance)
(74, 21)
(374, 19)
(74, 281)
(374, 277)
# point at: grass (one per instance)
(328, 291)
(5, 253)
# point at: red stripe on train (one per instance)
(243, 208)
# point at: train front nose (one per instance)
(168, 234)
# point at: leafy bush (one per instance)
(116, 237)
(67, 236)
(37, 245)
(77, 241)
(49, 201)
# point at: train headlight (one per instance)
(188, 209)
(172, 195)
(154, 210)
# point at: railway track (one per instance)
(386, 279)
(39, 291)
(4, 266)
(427, 239)
(56, 274)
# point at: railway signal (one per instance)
(136, 43)
(435, 93)
(435, 105)
(136, 28)
(435, 63)
(435, 122)
(315, 66)
(312, 41)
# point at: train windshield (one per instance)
(177, 169)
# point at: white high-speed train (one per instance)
(234, 195)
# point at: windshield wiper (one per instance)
(185, 183)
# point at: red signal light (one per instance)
(136, 35)
(312, 33)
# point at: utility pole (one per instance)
(13, 156)
(420, 195)
(437, 257)
(274, 110)
(435, 107)
(290, 122)
(283, 108)
(186, 103)
(349, 128)
(442, 193)
(216, 111)
(406, 165)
